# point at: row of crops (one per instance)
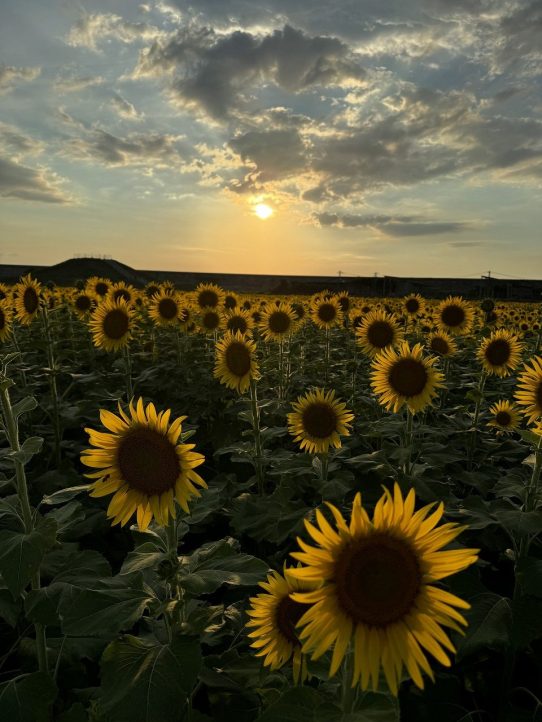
(217, 506)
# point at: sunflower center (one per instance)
(377, 579)
(453, 316)
(439, 345)
(327, 312)
(115, 324)
(30, 300)
(279, 322)
(344, 303)
(230, 302)
(211, 320)
(237, 323)
(319, 420)
(83, 303)
(148, 461)
(101, 288)
(238, 359)
(151, 290)
(380, 334)
(408, 377)
(288, 614)
(503, 418)
(167, 308)
(412, 305)
(208, 298)
(498, 352)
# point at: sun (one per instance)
(263, 211)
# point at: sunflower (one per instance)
(413, 305)
(142, 464)
(273, 618)
(529, 393)
(442, 343)
(164, 308)
(326, 312)
(208, 295)
(455, 315)
(98, 286)
(110, 324)
(405, 377)
(378, 589)
(499, 353)
(210, 319)
(504, 416)
(151, 289)
(27, 303)
(230, 300)
(5, 320)
(236, 363)
(238, 320)
(4, 291)
(343, 299)
(83, 302)
(123, 291)
(317, 421)
(185, 316)
(378, 331)
(277, 322)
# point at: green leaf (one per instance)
(63, 495)
(106, 607)
(29, 403)
(144, 556)
(76, 713)
(530, 576)
(21, 554)
(27, 698)
(30, 448)
(521, 523)
(146, 682)
(217, 563)
(527, 621)
(10, 609)
(490, 620)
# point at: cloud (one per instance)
(151, 150)
(18, 144)
(394, 226)
(275, 154)
(29, 184)
(92, 29)
(10, 76)
(124, 108)
(215, 72)
(74, 84)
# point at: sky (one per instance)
(398, 138)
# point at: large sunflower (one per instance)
(210, 320)
(98, 286)
(273, 617)
(83, 302)
(236, 362)
(208, 295)
(504, 416)
(379, 592)
(318, 420)
(164, 308)
(455, 315)
(277, 322)
(27, 303)
(377, 331)
(142, 464)
(5, 320)
(499, 353)
(414, 305)
(110, 325)
(123, 291)
(529, 393)
(326, 312)
(405, 377)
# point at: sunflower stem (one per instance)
(12, 433)
(326, 369)
(52, 381)
(324, 458)
(281, 369)
(18, 349)
(409, 436)
(479, 399)
(257, 436)
(348, 692)
(128, 373)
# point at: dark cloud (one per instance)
(137, 150)
(215, 72)
(276, 154)
(395, 226)
(522, 38)
(17, 143)
(29, 184)
(10, 76)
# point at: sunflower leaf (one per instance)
(148, 682)
(21, 554)
(28, 698)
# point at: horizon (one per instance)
(276, 138)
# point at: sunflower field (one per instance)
(217, 506)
